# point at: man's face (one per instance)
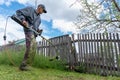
(40, 10)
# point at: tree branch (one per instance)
(106, 20)
(88, 7)
(116, 5)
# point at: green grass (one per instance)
(12, 58)
(12, 73)
(42, 69)
(44, 62)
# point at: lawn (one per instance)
(12, 73)
(43, 69)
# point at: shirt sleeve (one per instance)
(37, 23)
(23, 13)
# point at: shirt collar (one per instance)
(36, 12)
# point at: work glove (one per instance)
(39, 31)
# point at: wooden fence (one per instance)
(97, 53)
(12, 47)
(100, 53)
(59, 46)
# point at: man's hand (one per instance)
(25, 23)
(39, 30)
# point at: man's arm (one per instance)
(23, 13)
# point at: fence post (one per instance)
(71, 58)
(74, 50)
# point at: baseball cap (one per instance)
(44, 9)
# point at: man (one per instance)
(30, 17)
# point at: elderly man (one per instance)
(30, 17)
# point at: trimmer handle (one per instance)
(16, 19)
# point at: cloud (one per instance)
(22, 1)
(56, 10)
(1, 1)
(12, 30)
(60, 12)
(65, 26)
(6, 2)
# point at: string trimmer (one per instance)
(16, 19)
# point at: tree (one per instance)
(98, 15)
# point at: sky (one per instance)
(58, 21)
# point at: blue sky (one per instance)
(15, 6)
(53, 32)
(58, 21)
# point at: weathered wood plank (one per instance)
(98, 52)
(92, 51)
(116, 55)
(109, 54)
(112, 49)
(105, 55)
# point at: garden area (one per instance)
(42, 69)
(71, 39)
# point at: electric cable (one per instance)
(5, 45)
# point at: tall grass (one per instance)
(44, 62)
(14, 58)
(11, 57)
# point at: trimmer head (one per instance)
(56, 58)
